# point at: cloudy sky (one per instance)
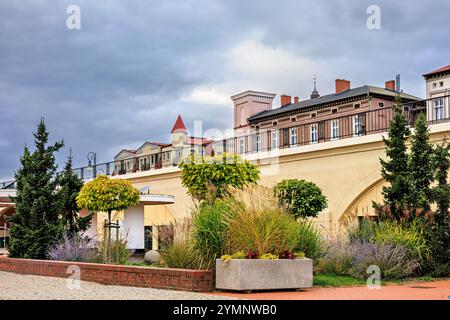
(123, 78)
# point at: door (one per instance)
(148, 238)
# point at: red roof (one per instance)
(179, 125)
(194, 140)
(443, 69)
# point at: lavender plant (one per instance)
(392, 259)
(79, 249)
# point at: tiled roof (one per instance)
(334, 97)
(443, 69)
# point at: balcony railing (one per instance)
(312, 131)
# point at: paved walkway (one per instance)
(29, 287)
(434, 290)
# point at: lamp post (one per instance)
(92, 158)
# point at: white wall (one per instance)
(133, 227)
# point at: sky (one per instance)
(133, 66)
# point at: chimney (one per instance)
(285, 100)
(390, 85)
(295, 99)
(342, 85)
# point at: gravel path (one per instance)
(28, 287)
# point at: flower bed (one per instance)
(119, 275)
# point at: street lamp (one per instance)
(92, 158)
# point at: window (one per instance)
(258, 142)
(335, 130)
(357, 125)
(275, 140)
(441, 84)
(293, 119)
(333, 111)
(439, 108)
(381, 105)
(434, 85)
(241, 145)
(313, 115)
(293, 136)
(314, 136)
(357, 106)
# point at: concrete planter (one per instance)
(260, 274)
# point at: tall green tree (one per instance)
(69, 188)
(440, 227)
(394, 168)
(37, 223)
(421, 166)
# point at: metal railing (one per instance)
(147, 162)
(312, 131)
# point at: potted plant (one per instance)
(247, 272)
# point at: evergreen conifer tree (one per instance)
(395, 168)
(70, 185)
(421, 166)
(440, 229)
(36, 223)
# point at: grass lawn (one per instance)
(331, 280)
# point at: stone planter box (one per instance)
(260, 274)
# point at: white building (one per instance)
(438, 90)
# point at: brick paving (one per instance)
(433, 290)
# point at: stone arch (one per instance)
(361, 205)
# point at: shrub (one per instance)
(392, 259)
(119, 252)
(209, 232)
(337, 260)
(363, 232)
(73, 249)
(411, 236)
(210, 178)
(354, 258)
(260, 227)
(300, 198)
(310, 241)
(181, 254)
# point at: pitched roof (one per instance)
(125, 150)
(334, 97)
(179, 126)
(195, 140)
(440, 70)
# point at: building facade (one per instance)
(348, 112)
(156, 155)
(438, 91)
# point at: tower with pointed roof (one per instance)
(179, 133)
(315, 94)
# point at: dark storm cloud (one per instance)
(135, 65)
